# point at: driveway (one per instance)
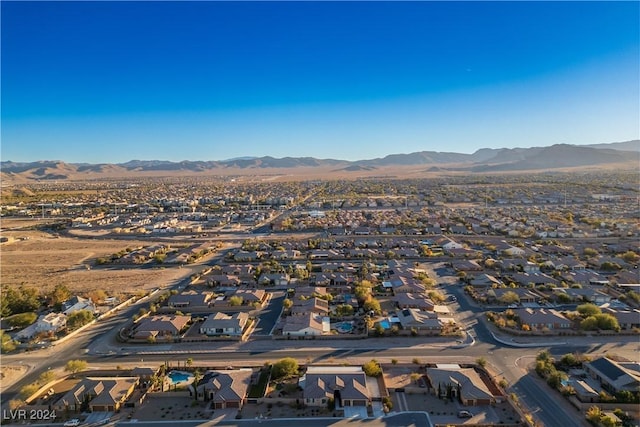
(270, 314)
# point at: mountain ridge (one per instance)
(481, 161)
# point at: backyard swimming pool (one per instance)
(344, 327)
(178, 377)
(385, 324)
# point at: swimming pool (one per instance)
(344, 327)
(385, 324)
(178, 377)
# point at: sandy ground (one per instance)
(10, 374)
(45, 260)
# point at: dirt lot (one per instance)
(43, 260)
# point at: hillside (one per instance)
(487, 160)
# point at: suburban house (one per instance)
(584, 392)
(412, 318)
(466, 265)
(311, 291)
(406, 284)
(419, 301)
(615, 376)
(347, 385)
(222, 324)
(525, 296)
(452, 380)
(585, 294)
(244, 272)
(512, 251)
(97, 394)
(536, 279)
(585, 277)
(224, 280)
(308, 324)
(160, 327)
(285, 254)
(77, 303)
(627, 319)
(446, 243)
(274, 279)
(518, 264)
(312, 305)
(46, 324)
(542, 318)
(246, 256)
(251, 296)
(485, 280)
(190, 300)
(226, 389)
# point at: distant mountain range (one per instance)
(486, 160)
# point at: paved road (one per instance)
(406, 419)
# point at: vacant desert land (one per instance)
(44, 260)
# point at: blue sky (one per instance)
(113, 81)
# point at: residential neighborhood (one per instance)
(300, 267)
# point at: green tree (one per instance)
(284, 368)
(59, 295)
(610, 266)
(509, 297)
(362, 293)
(372, 368)
(344, 310)
(8, 344)
(387, 402)
(75, 366)
(556, 378)
(607, 322)
(481, 361)
(79, 318)
(28, 390)
(287, 303)
(20, 300)
(372, 304)
(594, 414)
(97, 295)
(570, 360)
(589, 309)
(46, 377)
(235, 301)
(589, 324)
(630, 257)
(22, 320)
(436, 297)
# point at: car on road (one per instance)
(465, 414)
(74, 422)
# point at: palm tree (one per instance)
(196, 379)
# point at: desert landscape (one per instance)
(43, 260)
